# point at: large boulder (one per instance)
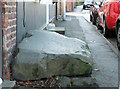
(47, 54)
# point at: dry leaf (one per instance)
(96, 69)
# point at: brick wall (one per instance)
(60, 8)
(69, 6)
(9, 34)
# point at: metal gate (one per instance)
(0, 40)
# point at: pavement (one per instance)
(7, 84)
(105, 68)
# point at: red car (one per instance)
(107, 15)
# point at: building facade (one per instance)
(70, 5)
(16, 18)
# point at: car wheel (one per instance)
(93, 20)
(83, 6)
(105, 30)
(90, 18)
(97, 22)
(118, 37)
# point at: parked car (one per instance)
(94, 12)
(87, 4)
(118, 31)
(108, 14)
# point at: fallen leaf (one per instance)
(28, 82)
(96, 69)
(20, 82)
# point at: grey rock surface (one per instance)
(46, 54)
(84, 82)
(65, 81)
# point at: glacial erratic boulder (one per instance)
(47, 54)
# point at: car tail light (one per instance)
(97, 10)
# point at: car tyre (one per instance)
(98, 23)
(84, 7)
(93, 20)
(90, 18)
(118, 37)
(105, 30)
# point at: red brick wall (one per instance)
(9, 34)
(69, 6)
(60, 8)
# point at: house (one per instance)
(70, 5)
(16, 18)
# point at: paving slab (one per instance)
(7, 84)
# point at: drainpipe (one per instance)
(56, 11)
(24, 13)
(47, 13)
(64, 9)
